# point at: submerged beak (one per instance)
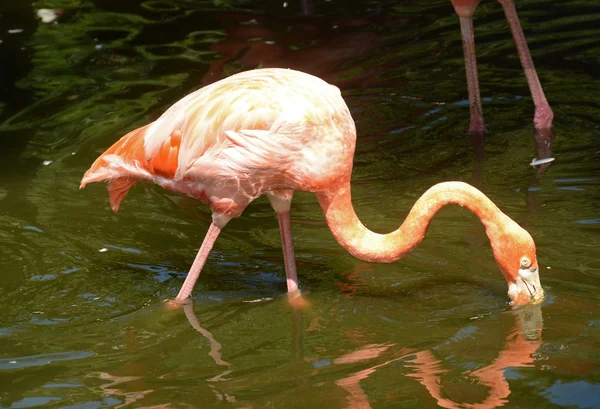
(526, 288)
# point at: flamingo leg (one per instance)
(465, 9)
(219, 221)
(281, 200)
(289, 259)
(543, 113)
(466, 28)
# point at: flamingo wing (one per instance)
(251, 125)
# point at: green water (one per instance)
(83, 322)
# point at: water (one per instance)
(83, 321)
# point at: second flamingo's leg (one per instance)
(543, 113)
(219, 221)
(281, 200)
(465, 9)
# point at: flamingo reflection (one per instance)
(427, 369)
(132, 388)
(328, 44)
(426, 366)
(215, 353)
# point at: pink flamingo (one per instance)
(272, 131)
(543, 117)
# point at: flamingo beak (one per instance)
(526, 288)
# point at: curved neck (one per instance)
(370, 246)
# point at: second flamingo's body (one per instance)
(273, 131)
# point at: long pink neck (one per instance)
(370, 246)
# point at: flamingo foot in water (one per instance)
(296, 300)
(175, 304)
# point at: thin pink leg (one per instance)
(468, 37)
(543, 113)
(192, 277)
(294, 296)
(281, 200)
(288, 251)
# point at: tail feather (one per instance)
(125, 162)
(117, 190)
(128, 149)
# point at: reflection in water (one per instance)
(111, 389)
(518, 350)
(132, 387)
(70, 87)
(423, 365)
(328, 45)
(543, 149)
(357, 398)
(215, 353)
(215, 346)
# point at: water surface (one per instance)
(83, 321)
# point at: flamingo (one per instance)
(543, 116)
(272, 131)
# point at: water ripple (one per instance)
(43, 359)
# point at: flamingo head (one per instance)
(514, 251)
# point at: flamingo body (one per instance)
(228, 143)
(273, 131)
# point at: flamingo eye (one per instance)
(525, 262)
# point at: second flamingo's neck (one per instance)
(366, 245)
